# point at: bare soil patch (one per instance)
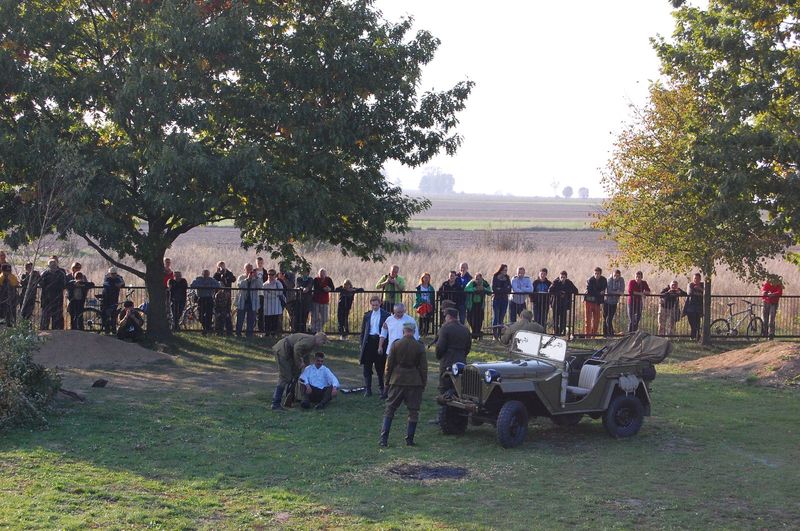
(772, 363)
(73, 349)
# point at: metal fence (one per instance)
(787, 320)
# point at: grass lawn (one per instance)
(192, 444)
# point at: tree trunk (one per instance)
(705, 337)
(157, 322)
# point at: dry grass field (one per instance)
(438, 250)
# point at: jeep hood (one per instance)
(517, 368)
(638, 346)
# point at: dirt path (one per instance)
(772, 363)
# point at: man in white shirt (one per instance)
(392, 328)
(521, 288)
(320, 385)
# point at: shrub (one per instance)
(26, 388)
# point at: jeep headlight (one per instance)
(457, 368)
(490, 376)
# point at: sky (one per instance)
(554, 85)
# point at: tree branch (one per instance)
(105, 255)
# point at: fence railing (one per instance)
(301, 314)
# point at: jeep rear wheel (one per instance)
(452, 420)
(624, 416)
(512, 424)
(567, 420)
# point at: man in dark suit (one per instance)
(370, 336)
(452, 345)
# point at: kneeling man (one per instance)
(129, 326)
(319, 383)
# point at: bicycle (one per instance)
(191, 313)
(729, 326)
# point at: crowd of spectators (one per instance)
(261, 297)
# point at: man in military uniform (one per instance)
(406, 376)
(525, 322)
(453, 343)
(292, 354)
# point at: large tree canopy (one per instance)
(742, 60)
(171, 114)
(707, 173)
(671, 210)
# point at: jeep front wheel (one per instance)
(512, 424)
(452, 420)
(624, 416)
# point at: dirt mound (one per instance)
(771, 363)
(83, 350)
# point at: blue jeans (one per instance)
(499, 309)
(249, 314)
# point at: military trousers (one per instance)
(410, 395)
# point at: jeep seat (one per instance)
(586, 381)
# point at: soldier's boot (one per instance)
(410, 431)
(276, 398)
(368, 385)
(387, 425)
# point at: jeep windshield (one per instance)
(540, 346)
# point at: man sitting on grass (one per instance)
(319, 383)
(130, 323)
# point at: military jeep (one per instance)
(550, 380)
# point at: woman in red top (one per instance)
(771, 294)
(636, 289)
(320, 298)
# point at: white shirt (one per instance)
(375, 322)
(319, 378)
(393, 329)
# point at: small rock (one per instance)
(100, 383)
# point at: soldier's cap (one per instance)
(409, 326)
(526, 314)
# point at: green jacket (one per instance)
(392, 290)
(298, 348)
(474, 295)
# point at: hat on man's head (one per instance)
(112, 269)
(409, 325)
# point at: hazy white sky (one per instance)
(554, 81)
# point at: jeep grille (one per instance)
(471, 382)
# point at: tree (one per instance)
(740, 60)
(567, 192)
(435, 181)
(276, 115)
(668, 209)
(583, 192)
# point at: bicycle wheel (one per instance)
(92, 320)
(756, 327)
(720, 327)
(188, 318)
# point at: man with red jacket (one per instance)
(322, 287)
(771, 293)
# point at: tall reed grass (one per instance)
(483, 251)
